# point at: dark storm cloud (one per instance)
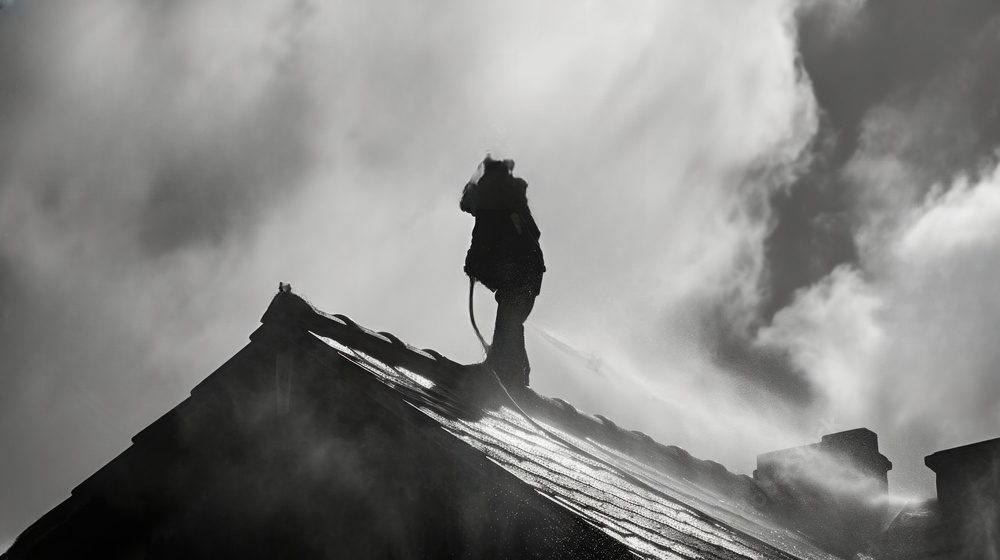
(884, 47)
(812, 228)
(906, 83)
(929, 60)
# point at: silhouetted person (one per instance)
(506, 258)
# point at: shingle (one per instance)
(634, 489)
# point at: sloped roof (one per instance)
(657, 500)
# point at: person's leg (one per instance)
(519, 357)
(499, 347)
(507, 354)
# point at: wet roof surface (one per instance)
(593, 472)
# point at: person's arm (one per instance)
(470, 193)
(470, 196)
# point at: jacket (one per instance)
(505, 252)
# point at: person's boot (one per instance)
(472, 388)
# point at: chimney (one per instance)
(968, 488)
(859, 448)
(855, 449)
(827, 489)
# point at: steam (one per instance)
(824, 495)
(836, 477)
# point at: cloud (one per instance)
(830, 331)
(909, 101)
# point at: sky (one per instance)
(762, 222)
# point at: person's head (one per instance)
(493, 165)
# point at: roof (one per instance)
(916, 533)
(658, 500)
(983, 451)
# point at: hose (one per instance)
(472, 316)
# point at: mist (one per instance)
(164, 165)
